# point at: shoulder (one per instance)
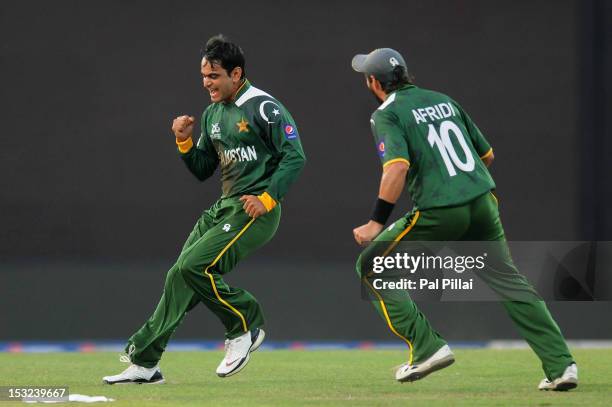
(208, 110)
(252, 96)
(255, 98)
(388, 103)
(261, 105)
(438, 97)
(385, 111)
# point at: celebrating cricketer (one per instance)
(254, 140)
(428, 143)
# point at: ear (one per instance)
(236, 74)
(375, 83)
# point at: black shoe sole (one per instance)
(238, 368)
(260, 332)
(565, 386)
(157, 378)
(419, 375)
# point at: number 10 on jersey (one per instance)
(443, 142)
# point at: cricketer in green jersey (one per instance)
(255, 142)
(428, 143)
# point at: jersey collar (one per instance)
(406, 87)
(243, 88)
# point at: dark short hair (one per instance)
(219, 50)
(399, 77)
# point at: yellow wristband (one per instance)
(267, 200)
(185, 145)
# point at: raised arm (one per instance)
(202, 160)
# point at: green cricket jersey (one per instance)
(439, 141)
(255, 141)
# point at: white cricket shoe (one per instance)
(567, 381)
(439, 360)
(238, 352)
(135, 374)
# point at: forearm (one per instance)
(392, 182)
(285, 175)
(197, 161)
(391, 186)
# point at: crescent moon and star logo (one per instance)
(274, 113)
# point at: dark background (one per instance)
(95, 204)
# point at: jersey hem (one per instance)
(396, 160)
(452, 205)
(267, 201)
(487, 154)
(185, 145)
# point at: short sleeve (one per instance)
(390, 139)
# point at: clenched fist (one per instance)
(364, 234)
(182, 127)
(253, 206)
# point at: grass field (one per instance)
(319, 378)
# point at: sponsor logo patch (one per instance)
(381, 149)
(290, 132)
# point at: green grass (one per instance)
(319, 378)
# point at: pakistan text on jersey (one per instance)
(238, 154)
(435, 112)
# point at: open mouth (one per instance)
(214, 93)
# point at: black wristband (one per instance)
(382, 211)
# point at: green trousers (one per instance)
(477, 220)
(222, 237)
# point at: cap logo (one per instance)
(393, 61)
